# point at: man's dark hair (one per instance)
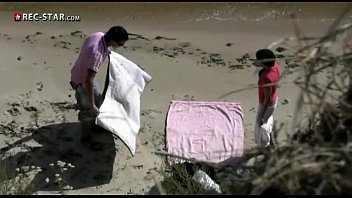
(266, 57)
(116, 33)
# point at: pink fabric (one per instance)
(93, 54)
(206, 131)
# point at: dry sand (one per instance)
(37, 104)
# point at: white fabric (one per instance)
(120, 111)
(262, 132)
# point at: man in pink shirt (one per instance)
(94, 51)
(269, 78)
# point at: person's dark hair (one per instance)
(266, 56)
(116, 33)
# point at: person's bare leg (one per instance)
(272, 142)
(86, 128)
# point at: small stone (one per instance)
(70, 165)
(25, 168)
(52, 164)
(47, 180)
(57, 175)
(19, 58)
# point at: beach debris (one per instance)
(161, 37)
(151, 113)
(78, 33)
(19, 58)
(177, 50)
(138, 166)
(229, 44)
(286, 101)
(203, 179)
(31, 109)
(280, 49)
(40, 86)
(75, 33)
(245, 59)
(280, 56)
(62, 106)
(169, 55)
(14, 111)
(70, 165)
(137, 36)
(184, 44)
(32, 35)
(214, 59)
(65, 44)
(233, 67)
(157, 49)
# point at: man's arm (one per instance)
(90, 87)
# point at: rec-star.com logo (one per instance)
(17, 17)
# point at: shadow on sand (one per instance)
(62, 142)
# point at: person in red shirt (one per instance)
(268, 81)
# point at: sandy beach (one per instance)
(198, 51)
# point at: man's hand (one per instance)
(95, 110)
(261, 122)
